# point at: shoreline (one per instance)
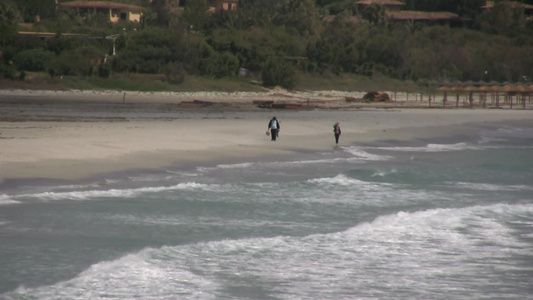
(55, 139)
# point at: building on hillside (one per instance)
(215, 5)
(116, 11)
(394, 12)
(390, 5)
(528, 9)
(226, 5)
(352, 20)
(45, 35)
(423, 16)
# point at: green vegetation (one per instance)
(295, 44)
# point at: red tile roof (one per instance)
(100, 4)
(420, 15)
(514, 4)
(380, 2)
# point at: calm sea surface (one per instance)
(446, 219)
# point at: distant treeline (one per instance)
(273, 40)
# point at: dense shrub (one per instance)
(175, 73)
(9, 18)
(149, 51)
(253, 47)
(28, 42)
(33, 59)
(222, 65)
(31, 8)
(199, 55)
(104, 70)
(278, 73)
(7, 70)
(70, 63)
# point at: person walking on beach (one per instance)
(274, 127)
(337, 132)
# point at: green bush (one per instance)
(222, 65)
(69, 63)
(175, 73)
(22, 75)
(148, 51)
(199, 56)
(275, 72)
(104, 70)
(7, 70)
(33, 59)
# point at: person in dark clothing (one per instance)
(337, 132)
(274, 127)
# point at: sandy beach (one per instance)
(76, 135)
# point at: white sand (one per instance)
(76, 149)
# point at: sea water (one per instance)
(422, 219)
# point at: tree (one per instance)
(383, 49)
(261, 13)
(277, 72)
(518, 64)
(503, 18)
(162, 11)
(175, 73)
(31, 9)
(222, 65)
(9, 18)
(195, 15)
(301, 17)
(341, 47)
(149, 50)
(199, 55)
(375, 14)
(469, 8)
(70, 63)
(33, 59)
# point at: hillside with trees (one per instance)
(273, 41)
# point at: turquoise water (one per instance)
(422, 219)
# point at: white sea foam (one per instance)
(384, 173)
(363, 155)
(434, 249)
(475, 223)
(434, 148)
(489, 139)
(344, 189)
(370, 191)
(277, 164)
(227, 166)
(516, 132)
(338, 180)
(326, 161)
(183, 220)
(114, 193)
(145, 178)
(7, 200)
(236, 166)
(357, 152)
(491, 187)
(128, 278)
(188, 174)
